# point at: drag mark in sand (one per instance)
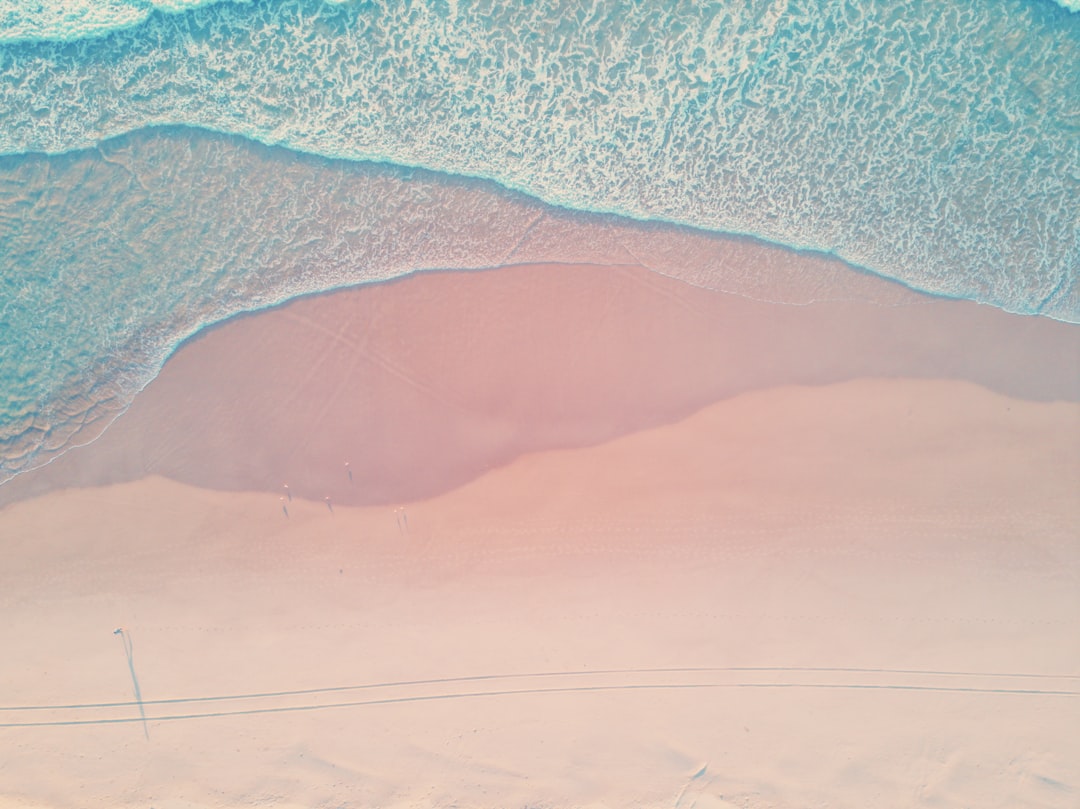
(364, 351)
(129, 651)
(610, 680)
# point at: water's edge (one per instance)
(163, 266)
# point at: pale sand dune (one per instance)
(424, 383)
(780, 530)
(864, 593)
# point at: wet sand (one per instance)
(609, 540)
(423, 383)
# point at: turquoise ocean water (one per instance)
(935, 142)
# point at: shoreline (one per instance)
(372, 222)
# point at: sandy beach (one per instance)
(555, 535)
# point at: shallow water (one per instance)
(932, 142)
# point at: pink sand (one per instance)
(614, 541)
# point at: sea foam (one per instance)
(70, 20)
(930, 142)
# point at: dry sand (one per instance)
(614, 541)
